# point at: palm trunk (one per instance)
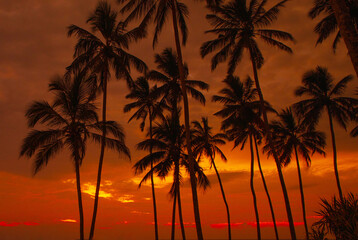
(180, 214)
(187, 125)
(100, 164)
(79, 196)
(347, 29)
(274, 153)
(334, 153)
(152, 179)
(224, 198)
(266, 189)
(302, 195)
(253, 190)
(173, 218)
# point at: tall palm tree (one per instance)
(71, 119)
(238, 27)
(205, 143)
(292, 137)
(328, 24)
(168, 141)
(157, 11)
(322, 95)
(240, 105)
(146, 105)
(100, 50)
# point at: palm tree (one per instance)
(158, 12)
(292, 137)
(100, 50)
(69, 119)
(328, 25)
(168, 141)
(145, 102)
(238, 27)
(205, 143)
(240, 120)
(323, 94)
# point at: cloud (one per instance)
(225, 225)
(270, 224)
(68, 220)
(15, 224)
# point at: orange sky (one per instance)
(34, 47)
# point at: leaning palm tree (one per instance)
(240, 120)
(146, 105)
(292, 137)
(206, 144)
(324, 95)
(71, 120)
(328, 24)
(158, 11)
(238, 27)
(99, 51)
(168, 142)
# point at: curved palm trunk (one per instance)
(302, 195)
(334, 153)
(347, 29)
(180, 214)
(266, 189)
(173, 218)
(100, 164)
(253, 190)
(152, 179)
(79, 196)
(274, 153)
(187, 125)
(224, 198)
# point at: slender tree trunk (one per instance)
(224, 198)
(100, 164)
(180, 214)
(302, 194)
(187, 125)
(266, 190)
(79, 196)
(152, 179)
(334, 153)
(173, 218)
(253, 190)
(274, 153)
(347, 29)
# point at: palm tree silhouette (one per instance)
(328, 25)
(71, 120)
(168, 142)
(238, 27)
(205, 143)
(99, 51)
(145, 102)
(292, 137)
(240, 117)
(158, 12)
(323, 94)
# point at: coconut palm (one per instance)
(328, 24)
(240, 120)
(292, 138)
(168, 142)
(322, 95)
(71, 120)
(206, 144)
(168, 77)
(238, 27)
(100, 50)
(146, 105)
(157, 11)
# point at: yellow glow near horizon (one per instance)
(91, 190)
(126, 198)
(68, 220)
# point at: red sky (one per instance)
(34, 47)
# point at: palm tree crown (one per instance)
(237, 27)
(328, 24)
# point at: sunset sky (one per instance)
(34, 47)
